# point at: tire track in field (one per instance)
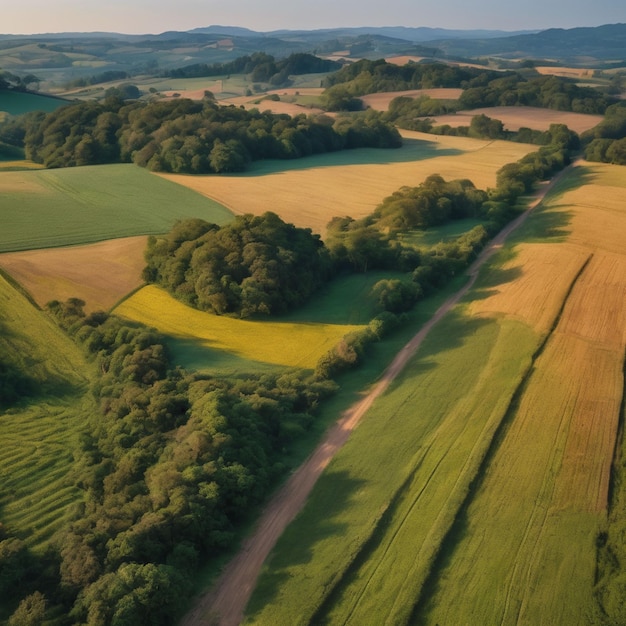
(225, 603)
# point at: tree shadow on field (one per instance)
(296, 546)
(547, 224)
(411, 150)
(193, 355)
(490, 280)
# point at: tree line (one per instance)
(261, 67)
(481, 87)
(185, 136)
(607, 141)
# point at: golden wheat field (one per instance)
(380, 101)
(534, 560)
(315, 189)
(536, 281)
(100, 274)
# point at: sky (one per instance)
(157, 16)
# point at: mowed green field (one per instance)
(473, 491)
(39, 437)
(49, 208)
(16, 102)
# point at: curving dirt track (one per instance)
(224, 604)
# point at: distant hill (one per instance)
(576, 44)
(56, 58)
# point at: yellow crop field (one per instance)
(567, 72)
(279, 343)
(380, 101)
(310, 191)
(534, 560)
(21, 164)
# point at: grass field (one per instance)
(40, 436)
(282, 343)
(49, 208)
(16, 103)
(310, 191)
(490, 490)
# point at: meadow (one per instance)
(353, 182)
(49, 208)
(39, 438)
(534, 561)
(299, 343)
(421, 482)
(16, 102)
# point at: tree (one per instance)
(30, 612)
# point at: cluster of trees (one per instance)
(431, 203)
(481, 87)
(549, 92)
(253, 265)
(261, 67)
(10, 81)
(169, 465)
(184, 135)
(96, 79)
(607, 141)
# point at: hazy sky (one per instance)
(156, 16)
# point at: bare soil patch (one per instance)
(100, 274)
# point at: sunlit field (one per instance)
(310, 191)
(290, 344)
(513, 399)
(516, 117)
(100, 273)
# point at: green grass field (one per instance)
(48, 208)
(16, 103)
(39, 436)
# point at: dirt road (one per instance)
(224, 605)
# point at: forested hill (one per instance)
(606, 42)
